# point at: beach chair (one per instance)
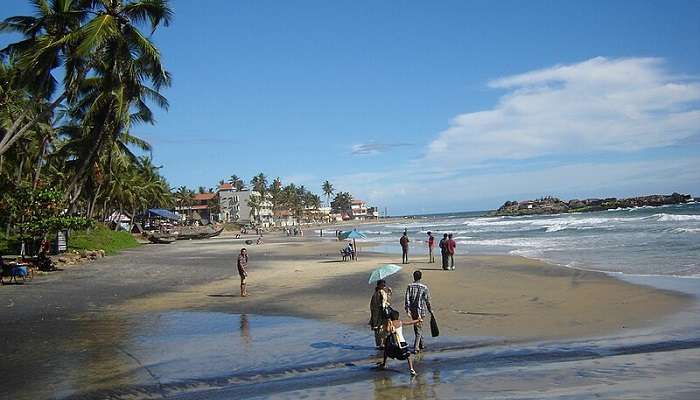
(347, 254)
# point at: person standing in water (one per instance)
(242, 270)
(404, 247)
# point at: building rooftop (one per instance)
(204, 196)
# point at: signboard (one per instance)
(62, 242)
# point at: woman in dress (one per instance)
(378, 308)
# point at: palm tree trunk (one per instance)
(15, 132)
(78, 181)
(39, 159)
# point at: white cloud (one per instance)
(375, 148)
(598, 105)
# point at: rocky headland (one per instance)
(553, 205)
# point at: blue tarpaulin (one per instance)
(162, 213)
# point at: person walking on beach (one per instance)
(395, 344)
(445, 252)
(242, 271)
(431, 247)
(404, 247)
(451, 245)
(417, 304)
(379, 312)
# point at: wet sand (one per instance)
(167, 319)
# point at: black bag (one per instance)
(434, 330)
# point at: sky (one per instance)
(426, 107)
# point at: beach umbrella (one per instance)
(383, 271)
(353, 234)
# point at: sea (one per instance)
(643, 241)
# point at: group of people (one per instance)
(384, 320)
(294, 231)
(447, 249)
(388, 328)
(348, 251)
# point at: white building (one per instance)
(235, 206)
(359, 209)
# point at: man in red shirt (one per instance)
(431, 246)
(451, 244)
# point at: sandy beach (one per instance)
(503, 296)
(101, 315)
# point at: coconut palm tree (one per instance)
(109, 65)
(45, 47)
(255, 204)
(259, 183)
(236, 182)
(328, 190)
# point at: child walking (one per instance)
(395, 345)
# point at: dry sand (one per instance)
(504, 296)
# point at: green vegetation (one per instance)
(84, 74)
(102, 238)
(8, 244)
(342, 203)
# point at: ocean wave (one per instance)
(685, 230)
(663, 217)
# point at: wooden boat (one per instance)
(162, 238)
(198, 232)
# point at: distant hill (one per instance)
(553, 205)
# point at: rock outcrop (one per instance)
(553, 205)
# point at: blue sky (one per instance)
(433, 107)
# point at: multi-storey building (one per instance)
(235, 206)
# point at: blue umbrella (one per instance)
(353, 234)
(383, 271)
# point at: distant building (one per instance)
(359, 209)
(204, 206)
(284, 218)
(234, 206)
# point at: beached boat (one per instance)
(162, 238)
(198, 232)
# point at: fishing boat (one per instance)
(162, 238)
(198, 232)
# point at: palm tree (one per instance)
(328, 190)
(259, 183)
(109, 65)
(236, 182)
(46, 46)
(255, 203)
(184, 197)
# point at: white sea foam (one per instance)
(663, 217)
(685, 230)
